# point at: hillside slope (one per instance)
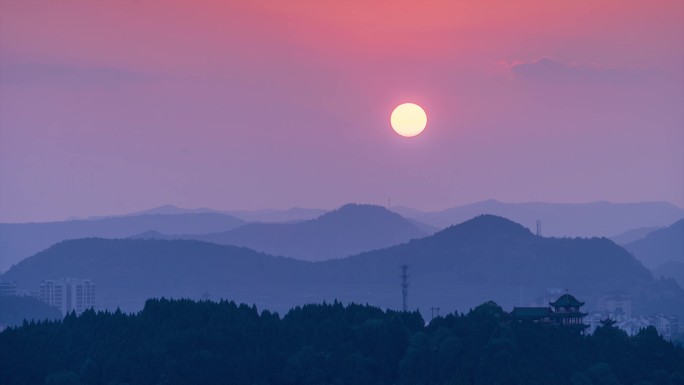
(21, 240)
(596, 219)
(486, 258)
(348, 230)
(660, 246)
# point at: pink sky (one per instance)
(115, 106)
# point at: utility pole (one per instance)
(434, 310)
(404, 286)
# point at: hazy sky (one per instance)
(115, 106)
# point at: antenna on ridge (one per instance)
(539, 228)
(404, 286)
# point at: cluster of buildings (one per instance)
(618, 308)
(611, 309)
(667, 325)
(66, 294)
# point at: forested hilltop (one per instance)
(186, 342)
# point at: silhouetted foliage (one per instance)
(184, 342)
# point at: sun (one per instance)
(408, 119)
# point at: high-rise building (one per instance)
(8, 288)
(68, 294)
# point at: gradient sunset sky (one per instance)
(109, 107)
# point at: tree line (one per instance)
(185, 342)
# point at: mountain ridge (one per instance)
(660, 246)
(487, 258)
(350, 229)
(600, 218)
(19, 241)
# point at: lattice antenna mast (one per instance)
(539, 228)
(404, 286)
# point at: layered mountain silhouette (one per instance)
(348, 230)
(264, 215)
(633, 235)
(271, 215)
(660, 246)
(598, 219)
(153, 235)
(21, 240)
(492, 250)
(174, 210)
(486, 258)
(671, 269)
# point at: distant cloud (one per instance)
(554, 71)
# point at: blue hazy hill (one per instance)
(660, 246)
(484, 258)
(21, 240)
(14, 310)
(595, 219)
(351, 229)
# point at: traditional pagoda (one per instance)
(563, 311)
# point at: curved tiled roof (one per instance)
(566, 300)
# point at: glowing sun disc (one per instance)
(408, 119)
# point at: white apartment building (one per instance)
(8, 288)
(68, 294)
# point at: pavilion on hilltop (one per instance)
(565, 311)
